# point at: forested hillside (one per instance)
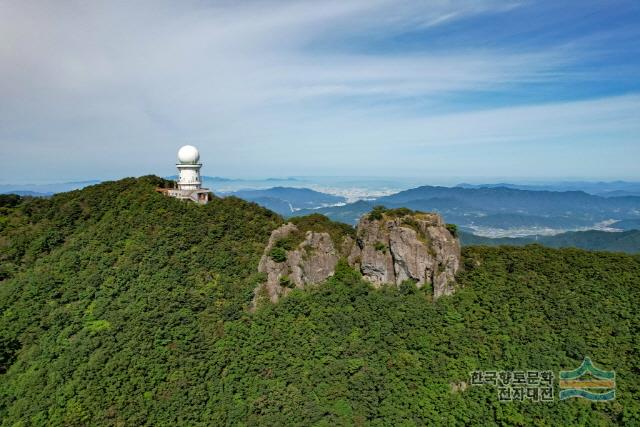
(119, 306)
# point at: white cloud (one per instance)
(76, 50)
(129, 81)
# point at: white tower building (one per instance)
(189, 182)
(189, 168)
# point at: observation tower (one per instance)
(189, 185)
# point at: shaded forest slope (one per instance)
(121, 306)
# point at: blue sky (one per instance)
(473, 89)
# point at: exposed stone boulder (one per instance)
(294, 259)
(388, 247)
(395, 246)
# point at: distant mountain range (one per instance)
(627, 224)
(27, 193)
(491, 210)
(606, 189)
(627, 241)
(348, 213)
(40, 190)
(206, 178)
(373, 184)
(286, 200)
(214, 182)
(501, 211)
(503, 200)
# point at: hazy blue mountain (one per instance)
(287, 200)
(29, 193)
(440, 204)
(282, 179)
(570, 204)
(280, 206)
(502, 211)
(606, 189)
(627, 241)
(206, 178)
(627, 224)
(349, 213)
(492, 209)
(620, 193)
(516, 220)
(215, 178)
(44, 189)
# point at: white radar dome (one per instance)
(188, 154)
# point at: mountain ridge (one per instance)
(593, 240)
(125, 307)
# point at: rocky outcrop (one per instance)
(416, 246)
(390, 247)
(303, 259)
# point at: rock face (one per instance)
(390, 248)
(310, 261)
(416, 246)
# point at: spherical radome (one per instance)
(188, 154)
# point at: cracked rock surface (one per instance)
(388, 250)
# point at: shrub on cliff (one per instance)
(278, 254)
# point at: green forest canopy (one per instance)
(121, 306)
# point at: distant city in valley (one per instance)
(488, 210)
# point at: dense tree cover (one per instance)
(338, 232)
(123, 306)
(117, 292)
(321, 224)
(380, 211)
(9, 201)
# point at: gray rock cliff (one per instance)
(389, 248)
(309, 261)
(414, 246)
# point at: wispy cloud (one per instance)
(129, 81)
